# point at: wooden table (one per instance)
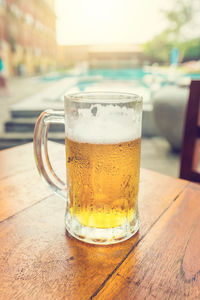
(38, 260)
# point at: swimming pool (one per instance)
(122, 80)
(120, 74)
(140, 81)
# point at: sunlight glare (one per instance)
(107, 21)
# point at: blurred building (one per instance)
(27, 36)
(115, 56)
(72, 54)
(102, 56)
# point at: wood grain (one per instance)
(166, 263)
(20, 184)
(21, 158)
(39, 261)
(15, 160)
(21, 191)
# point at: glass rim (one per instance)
(103, 97)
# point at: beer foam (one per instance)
(100, 124)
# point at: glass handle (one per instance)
(41, 150)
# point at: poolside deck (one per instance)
(156, 154)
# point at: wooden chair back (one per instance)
(190, 152)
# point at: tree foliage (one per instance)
(191, 50)
(159, 48)
(180, 15)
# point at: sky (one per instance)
(82, 22)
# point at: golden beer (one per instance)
(102, 182)
(102, 137)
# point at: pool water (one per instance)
(120, 74)
(115, 74)
(138, 81)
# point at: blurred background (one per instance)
(52, 47)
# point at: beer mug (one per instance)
(102, 140)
